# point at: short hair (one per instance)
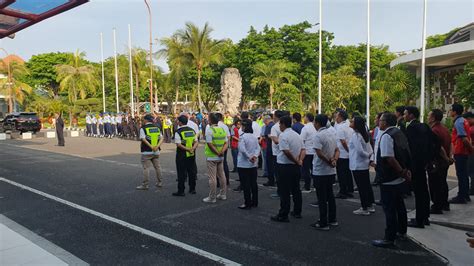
(267, 117)
(458, 108)
(247, 126)
(183, 119)
(379, 115)
(279, 114)
(321, 119)
(413, 110)
(149, 117)
(400, 109)
(297, 117)
(244, 115)
(213, 118)
(219, 116)
(310, 117)
(343, 114)
(354, 114)
(286, 113)
(390, 119)
(286, 120)
(468, 115)
(236, 120)
(437, 114)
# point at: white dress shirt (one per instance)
(248, 148)
(325, 141)
(343, 132)
(291, 141)
(307, 134)
(360, 153)
(275, 132)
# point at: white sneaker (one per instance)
(361, 212)
(221, 197)
(209, 200)
(371, 209)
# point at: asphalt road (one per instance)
(106, 184)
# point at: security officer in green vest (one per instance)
(186, 143)
(151, 140)
(216, 145)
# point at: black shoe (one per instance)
(296, 215)
(446, 208)
(263, 176)
(237, 189)
(178, 194)
(457, 200)
(413, 223)
(427, 222)
(468, 199)
(254, 205)
(268, 184)
(340, 196)
(314, 204)
(318, 226)
(436, 211)
(378, 202)
(471, 192)
(278, 218)
(349, 195)
(192, 192)
(382, 243)
(402, 237)
(244, 207)
(234, 171)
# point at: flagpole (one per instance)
(102, 63)
(320, 54)
(116, 73)
(423, 64)
(132, 102)
(368, 65)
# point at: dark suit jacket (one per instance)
(420, 140)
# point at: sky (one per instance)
(396, 23)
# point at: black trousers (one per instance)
(60, 134)
(248, 181)
(289, 184)
(88, 129)
(271, 167)
(362, 179)
(439, 188)
(186, 169)
(344, 175)
(226, 167)
(306, 170)
(395, 211)
(326, 200)
(422, 195)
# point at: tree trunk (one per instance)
(199, 90)
(176, 98)
(10, 104)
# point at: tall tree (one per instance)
(202, 49)
(275, 74)
(465, 85)
(13, 87)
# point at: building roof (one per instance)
(13, 58)
(16, 15)
(447, 55)
(463, 34)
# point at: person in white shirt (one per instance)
(88, 125)
(191, 124)
(247, 163)
(307, 134)
(94, 125)
(360, 154)
(324, 173)
(274, 134)
(290, 157)
(377, 134)
(344, 175)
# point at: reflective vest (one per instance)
(188, 137)
(228, 121)
(219, 138)
(260, 122)
(152, 133)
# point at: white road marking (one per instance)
(144, 231)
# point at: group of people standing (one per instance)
(407, 155)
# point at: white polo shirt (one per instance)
(325, 141)
(275, 132)
(343, 132)
(307, 135)
(291, 141)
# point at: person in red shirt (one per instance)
(438, 168)
(462, 148)
(234, 144)
(469, 116)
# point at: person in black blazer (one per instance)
(59, 129)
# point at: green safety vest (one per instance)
(228, 121)
(153, 135)
(260, 122)
(187, 139)
(219, 138)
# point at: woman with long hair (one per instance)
(247, 163)
(360, 153)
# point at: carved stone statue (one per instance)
(231, 91)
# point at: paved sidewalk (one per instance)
(19, 246)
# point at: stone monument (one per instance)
(231, 91)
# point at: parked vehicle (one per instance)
(22, 122)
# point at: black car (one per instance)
(22, 122)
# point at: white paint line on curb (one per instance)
(144, 231)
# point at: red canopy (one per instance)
(16, 15)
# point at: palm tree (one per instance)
(76, 78)
(275, 74)
(14, 89)
(178, 60)
(201, 48)
(140, 69)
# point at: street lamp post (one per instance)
(320, 54)
(423, 64)
(151, 55)
(9, 84)
(368, 66)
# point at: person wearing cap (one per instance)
(216, 145)
(186, 144)
(151, 139)
(100, 123)
(94, 125)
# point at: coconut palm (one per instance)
(140, 69)
(76, 78)
(275, 74)
(201, 49)
(14, 89)
(178, 60)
